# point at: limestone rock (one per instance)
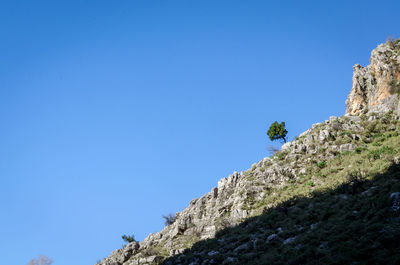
(347, 147)
(236, 197)
(375, 86)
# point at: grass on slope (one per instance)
(339, 213)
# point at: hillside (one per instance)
(331, 196)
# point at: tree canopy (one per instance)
(277, 131)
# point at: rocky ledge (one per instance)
(376, 87)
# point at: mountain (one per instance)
(331, 196)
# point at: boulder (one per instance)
(347, 147)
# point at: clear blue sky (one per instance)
(113, 113)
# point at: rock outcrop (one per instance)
(376, 87)
(237, 197)
(240, 195)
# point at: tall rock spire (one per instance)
(376, 87)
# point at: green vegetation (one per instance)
(129, 239)
(377, 153)
(321, 164)
(394, 44)
(277, 131)
(339, 212)
(394, 86)
(280, 155)
(310, 183)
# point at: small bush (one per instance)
(169, 219)
(376, 144)
(129, 239)
(281, 155)
(310, 183)
(321, 164)
(376, 154)
(371, 127)
(377, 135)
(348, 132)
(359, 149)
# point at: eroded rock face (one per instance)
(236, 197)
(376, 87)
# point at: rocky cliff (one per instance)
(240, 195)
(376, 86)
(299, 169)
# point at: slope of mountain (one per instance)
(330, 196)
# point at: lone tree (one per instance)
(277, 131)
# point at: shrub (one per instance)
(359, 149)
(281, 155)
(169, 219)
(371, 127)
(348, 132)
(129, 239)
(321, 164)
(376, 154)
(310, 183)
